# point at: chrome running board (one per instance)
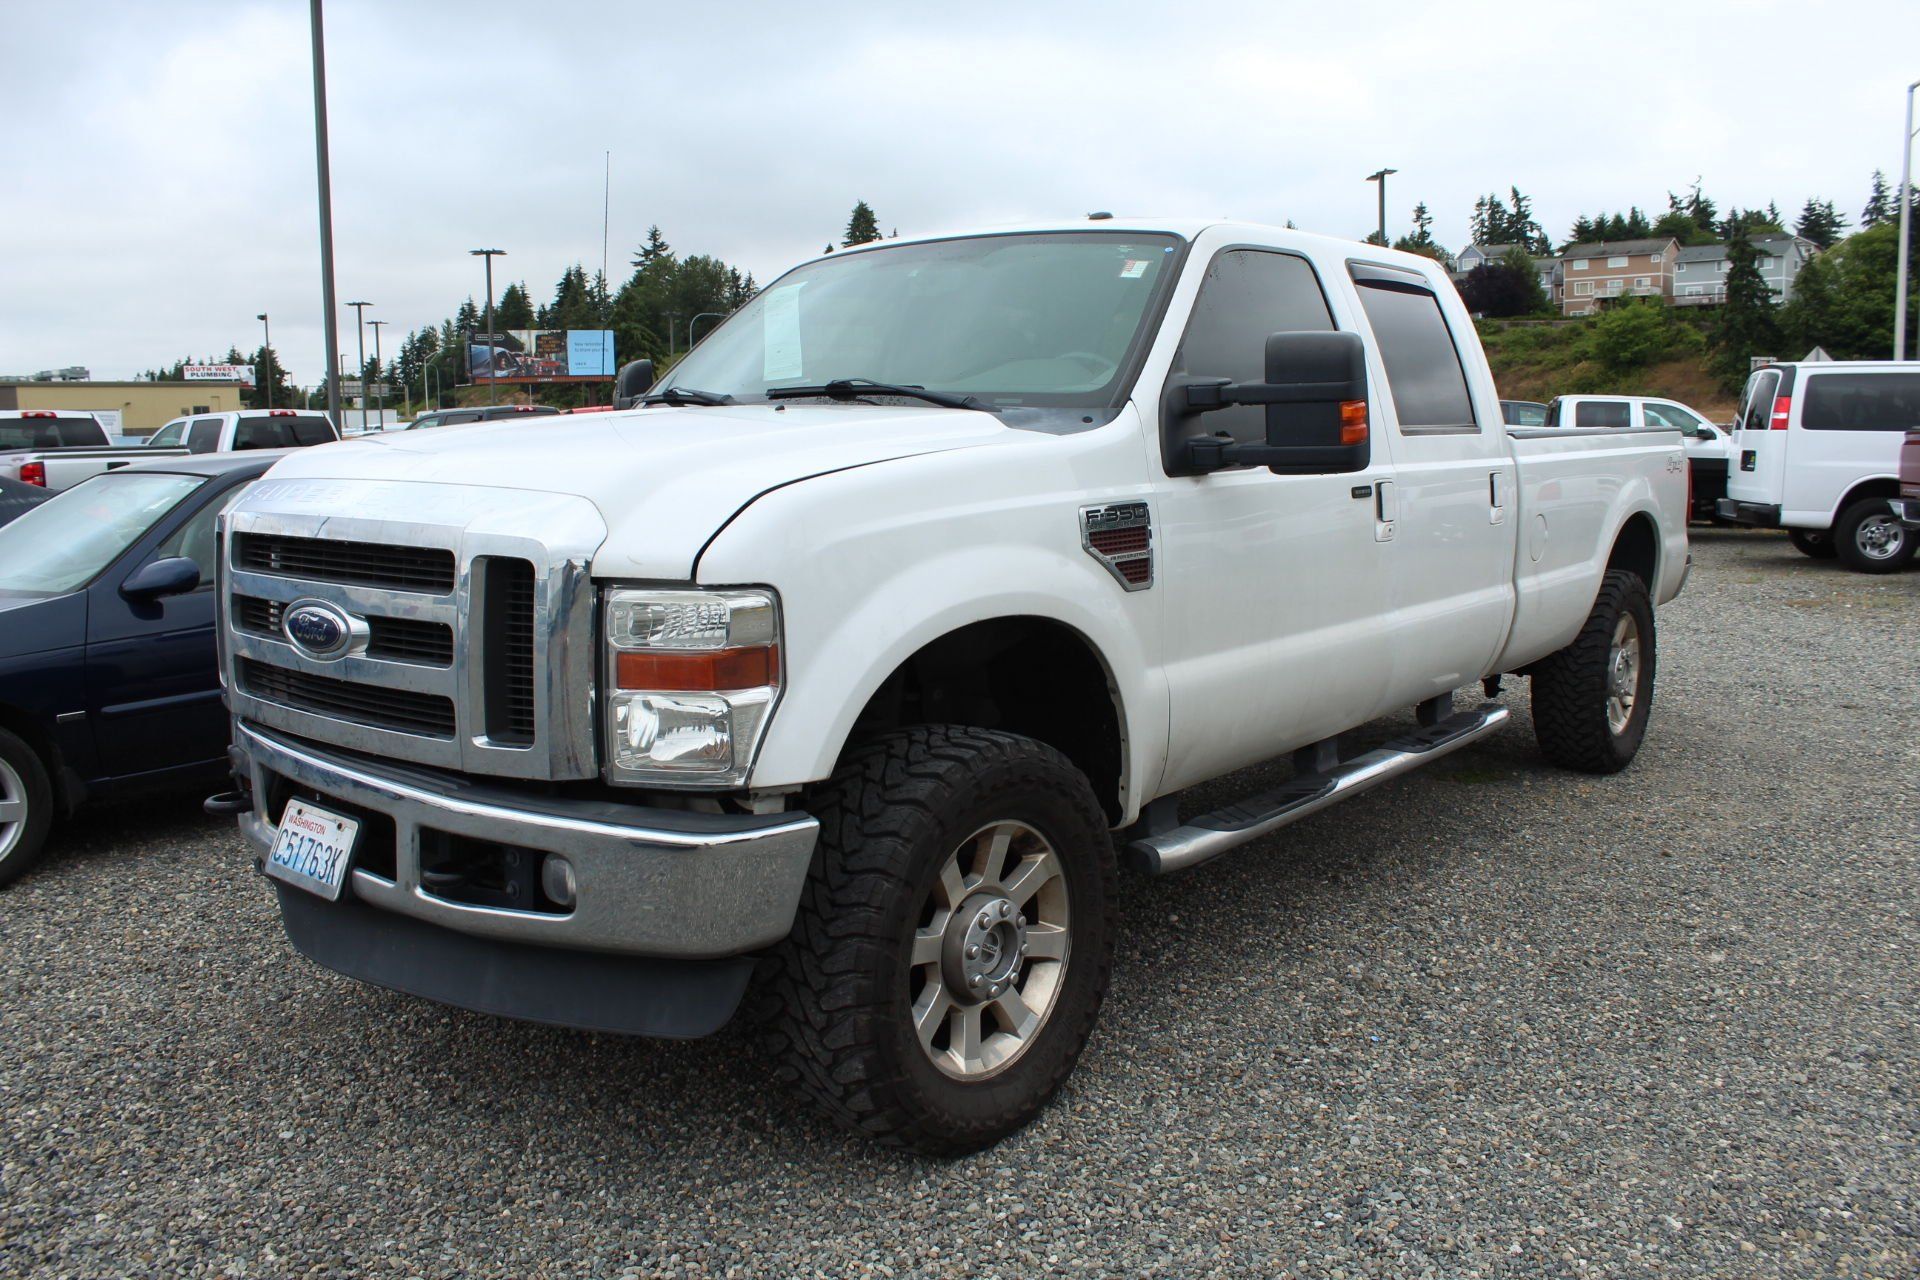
(1211, 835)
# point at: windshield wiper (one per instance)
(685, 395)
(853, 388)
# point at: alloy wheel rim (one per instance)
(13, 808)
(1879, 537)
(1623, 673)
(990, 952)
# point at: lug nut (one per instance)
(973, 952)
(1021, 921)
(1023, 947)
(985, 919)
(975, 981)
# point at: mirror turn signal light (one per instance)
(709, 671)
(1353, 422)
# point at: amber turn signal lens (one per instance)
(1353, 422)
(682, 672)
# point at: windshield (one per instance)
(1047, 320)
(62, 544)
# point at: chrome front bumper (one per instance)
(1907, 511)
(650, 882)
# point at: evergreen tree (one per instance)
(1493, 222)
(1422, 241)
(653, 250)
(513, 310)
(1820, 222)
(862, 226)
(1843, 299)
(1750, 222)
(1880, 205)
(268, 374)
(1748, 325)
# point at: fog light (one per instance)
(556, 880)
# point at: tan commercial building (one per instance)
(125, 408)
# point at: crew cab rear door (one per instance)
(1452, 552)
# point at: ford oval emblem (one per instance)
(319, 630)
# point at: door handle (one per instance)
(1497, 497)
(1386, 509)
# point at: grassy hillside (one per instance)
(1645, 350)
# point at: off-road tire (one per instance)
(1817, 543)
(27, 776)
(1847, 538)
(1571, 688)
(834, 997)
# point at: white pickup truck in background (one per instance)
(61, 468)
(27, 433)
(1709, 447)
(853, 663)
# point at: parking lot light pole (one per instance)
(379, 374)
(360, 322)
(326, 208)
(266, 357)
(1906, 231)
(490, 255)
(1381, 178)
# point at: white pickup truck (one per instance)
(61, 468)
(853, 664)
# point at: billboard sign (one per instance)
(241, 373)
(541, 355)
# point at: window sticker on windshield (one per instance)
(780, 331)
(1133, 268)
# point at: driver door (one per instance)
(1277, 587)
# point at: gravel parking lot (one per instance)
(1495, 1020)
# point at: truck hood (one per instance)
(664, 479)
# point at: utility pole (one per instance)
(379, 374)
(1906, 231)
(360, 321)
(266, 358)
(326, 209)
(490, 255)
(1381, 178)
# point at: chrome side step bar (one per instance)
(1211, 835)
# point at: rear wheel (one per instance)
(1869, 538)
(1592, 699)
(26, 807)
(953, 942)
(1817, 543)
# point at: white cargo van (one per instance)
(1817, 452)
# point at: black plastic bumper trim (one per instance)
(1764, 515)
(585, 990)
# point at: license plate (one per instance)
(312, 849)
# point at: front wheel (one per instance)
(26, 807)
(1870, 538)
(1817, 543)
(1592, 699)
(954, 939)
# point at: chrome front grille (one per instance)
(361, 564)
(471, 611)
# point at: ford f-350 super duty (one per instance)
(846, 670)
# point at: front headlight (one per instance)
(691, 678)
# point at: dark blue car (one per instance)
(109, 684)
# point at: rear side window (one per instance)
(1248, 295)
(1423, 366)
(1760, 391)
(1861, 402)
(280, 432)
(1602, 413)
(308, 431)
(204, 436)
(167, 436)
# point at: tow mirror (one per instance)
(634, 379)
(172, 576)
(1315, 394)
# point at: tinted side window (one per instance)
(311, 431)
(1861, 402)
(1248, 295)
(1602, 413)
(1423, 367)
(204, 436)
(1760, 392)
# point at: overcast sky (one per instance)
(157, 161)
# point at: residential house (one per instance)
(1600, 271)
(1552, 274)
(1700, 273)
(1479, 255)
